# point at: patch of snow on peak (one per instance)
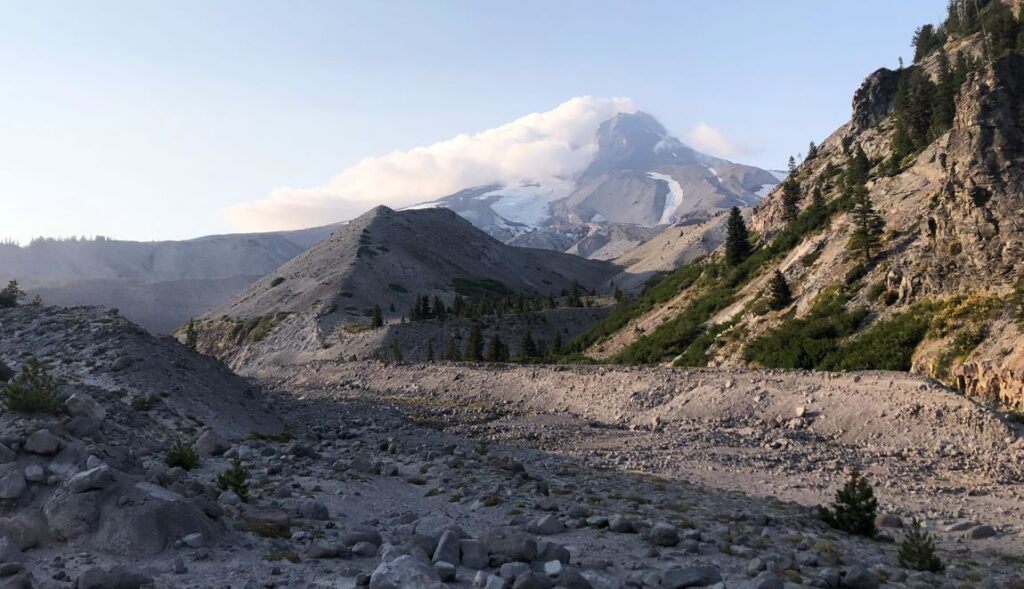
(675, 196)
(424, 205)
(528, 204)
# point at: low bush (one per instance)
(235, 479)
(917, 551)
(182, 455)
(33, 390)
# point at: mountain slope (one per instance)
(157, 284)
(938, 294)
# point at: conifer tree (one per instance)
(858, 168)
(191, 334)
(430, 350)
(779, 295)
(854, 509)
(737, 239)
(452, 354)
(917, 551)
(11, 295)
(812, 151)
(396, 350)
(868, 225)
(376, 318)
(474, 345)
(497, 351)
(944, 107)
(790, 198)
(32, 391)
(528, 347)
(817, 199)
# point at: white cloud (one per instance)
(712, 141)
(539, 147)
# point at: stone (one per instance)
(35, 473)
(765, 580)
(664, 534)
(405, 572)
(980, 532)
(195, 540)
(699, 575)
(551, 551)
(445, 570)
(149, 521)
(9, 550)
(120, 363)
(6, 454)
(553, 568)
(314, 510)
(83, 405)
(510, 570)
(210, 443)
(42, 442)
(364, 549)
(70, 515)
(119, 577)
(12, 481)
(546, 525)
(621, 524)
(512, 543)
(100, 477)
(447, 548)
(472, 554)
(857, 577)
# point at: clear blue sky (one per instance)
(142, 120)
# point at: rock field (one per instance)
(367, 474)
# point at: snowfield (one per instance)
(675, 197)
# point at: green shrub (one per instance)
(183, 455)
(917, 551)
(276, 281)
(808, 341)
(235, 479)
(11, 295)
(32, 391)
(887, 345)
(854, 509)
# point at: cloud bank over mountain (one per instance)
(540, 147)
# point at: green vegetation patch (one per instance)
(480, 287)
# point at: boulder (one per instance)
(42, 442)
(511, 543)
(664, 534)
(546, 525)
(119, 577)
(83, 405)
(100, 477)
(148, 522)
(405, 572)
(70, 515)
(210, 443)
(12, 481)
(698, 575)
(472, 554)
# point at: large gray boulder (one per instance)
(152, 518)
(405, 572)
(42, 442)
(12, 481)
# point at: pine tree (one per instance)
(396, 350)
(737, 240)
(11, 295)
(858, 168)
(945, 106)
(437, 309)
(917, 551)
(497, 351)
(854, 509)
(817, 200)
(191, 334)
(376, 318)
(812, 151)
(474, 345)
(574, 295)
(430, 350)
(452, 354)
(234, 479)
(528, 347)
(868, 225)
(779, 294)
(790, 198)
(791, 165)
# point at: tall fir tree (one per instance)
(475, 344)
(945, 97)
(376, 317)
(451, 353)
(790, 198)
(737, 239)
(528, 347)
(779, 294)
(854, 509)
(191, 334)
(497, 351)
(868, 225)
